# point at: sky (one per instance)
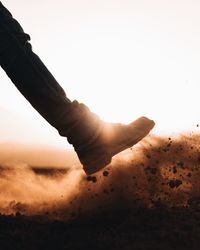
(123, 59)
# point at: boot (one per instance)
(96, 141)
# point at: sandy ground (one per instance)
(148, 198)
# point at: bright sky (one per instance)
(123, 59)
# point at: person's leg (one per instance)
(27, 71)
(37, 84)
(94, 140)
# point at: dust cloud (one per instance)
(157, 172)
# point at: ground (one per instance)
(137, 229)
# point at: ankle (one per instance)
(84, 127)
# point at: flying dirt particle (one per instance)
(152, 170)
(165, 150)
(105, 173)
(169, 144)
(148, 156)
(197, 125)
(189, 175)
(92, 178)
(18, 214)
(181, 148)
(180, 164)
(175, 183)
(174, 170)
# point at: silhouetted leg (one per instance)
(95, 141)
(29, 74)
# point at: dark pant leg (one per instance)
(30, 75)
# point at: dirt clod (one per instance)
(105, 173)
(175, 183)
(92, 178)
